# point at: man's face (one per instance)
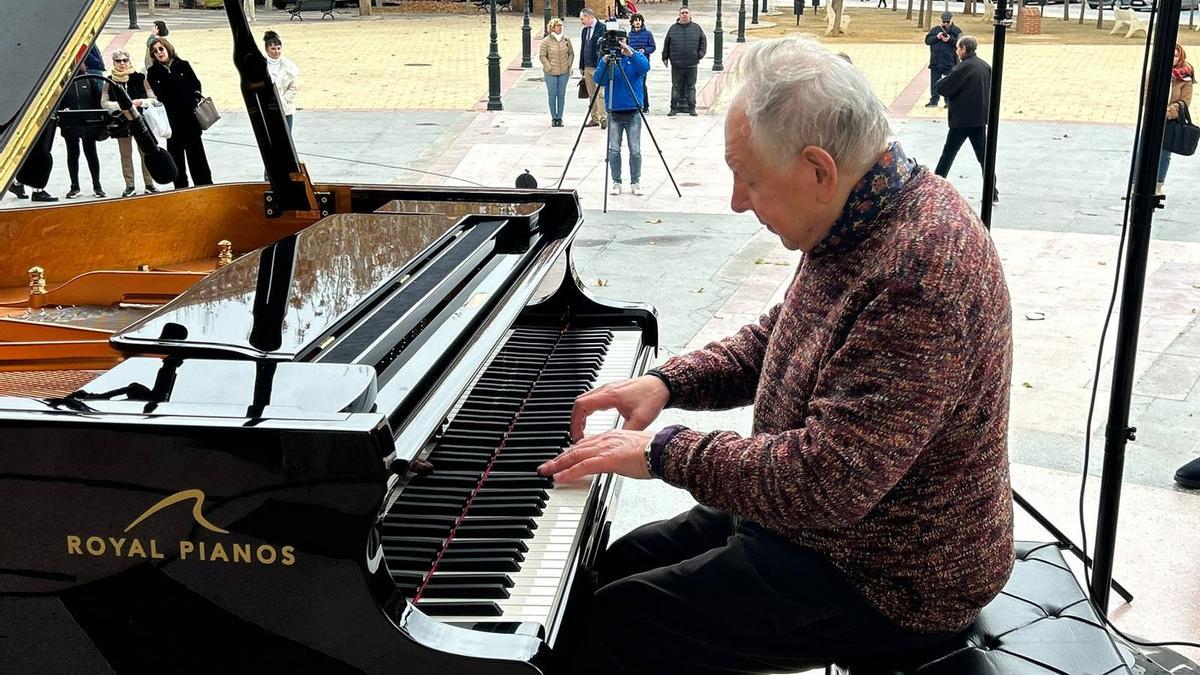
(586, 20)
(946, 25)
(962, 53)
(783, 198)
(685, 16)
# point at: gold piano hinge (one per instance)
(224, 253)
(37, 286)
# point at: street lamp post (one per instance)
(546, 20)
(133, 13)
(494, 67)
(718, 53)
(754, 12)
(561, 10)
(742, 20)
(526, 62)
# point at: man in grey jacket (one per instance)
(684, 47)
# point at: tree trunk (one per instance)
(1100, 15)
(921, 15)
(908, 16)
(1067, 10)
(1191, 15)
(1082, 10)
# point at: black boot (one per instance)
(18, 190)
(1188, 475)
(42, 196)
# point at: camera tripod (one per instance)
(613, 61)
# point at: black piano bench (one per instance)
(1040, 623)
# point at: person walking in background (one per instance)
(176, 85)
(967, 88)
(589, 54)
(284, 73)
(157, 29)
(641, 41)
(683, 49)
(623, 111)
(1182, 77)
(134, 84)
(82, 94)
(943, 44)
(556, 55)
(93, 61)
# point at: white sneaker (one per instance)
(616, 189)
(635, 189)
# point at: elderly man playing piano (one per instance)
(870, 513)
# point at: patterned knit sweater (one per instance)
(880, 392)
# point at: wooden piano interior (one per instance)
(102, 265)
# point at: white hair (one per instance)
(797, 93)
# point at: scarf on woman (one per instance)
(1182, 73)
(558, 36)
(121, 76)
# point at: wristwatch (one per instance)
(646, 452)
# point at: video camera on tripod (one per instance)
(610, 45)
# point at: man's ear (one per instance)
(822, 172)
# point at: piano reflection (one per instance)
(289, 425)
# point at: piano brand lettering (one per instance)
(186, 550)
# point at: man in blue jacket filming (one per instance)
(623, 98)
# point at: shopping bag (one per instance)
(583, 94)
(156, 119)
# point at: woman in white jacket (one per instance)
(284, 74)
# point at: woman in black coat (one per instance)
(178, 88)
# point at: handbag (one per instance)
(206, 113)
(1180, 136)
(583, 94)
(156, 119)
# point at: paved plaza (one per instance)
(398, 98)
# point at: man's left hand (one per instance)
(619, 451)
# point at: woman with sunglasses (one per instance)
(134, 84)
(176, 85)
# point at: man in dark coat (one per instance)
(967, 88)
(943, 42)
(684, 47)
(589, 55)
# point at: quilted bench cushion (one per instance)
(1040, 623)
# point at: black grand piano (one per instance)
(321, 457)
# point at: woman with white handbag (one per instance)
(176, 85)
(134, 83)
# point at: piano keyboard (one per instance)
(483, 538)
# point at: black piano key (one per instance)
(512, 530)
(408, 529)
(422, 507)
(517, 481)
(480, 591)
(481, 509)
(461, 578)
(463, 608)
(461, 543)
(473, 564)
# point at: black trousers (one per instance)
(936, 74)
(89, 152)
(189, 153)
(954, 141)
(683, 89)
(706, 592)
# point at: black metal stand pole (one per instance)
(1143, 201)
(561, 15)
(526, 38)
(719, 42)
(546, 16)
(764, 8)
(494, 67)
(754, 12)
(133, 14)
(1064, 541)
(1002, 20)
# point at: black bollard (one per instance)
(526, 61)
(718, 32)
(742, 20)
(494, 67)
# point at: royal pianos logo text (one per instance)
(150, 548)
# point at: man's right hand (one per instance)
(638, 400)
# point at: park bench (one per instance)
(325, 7)
(1040, 623)
(1127, 17)
(832, 16)
(501, 5)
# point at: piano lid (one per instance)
(40, 44)
(310, 281)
